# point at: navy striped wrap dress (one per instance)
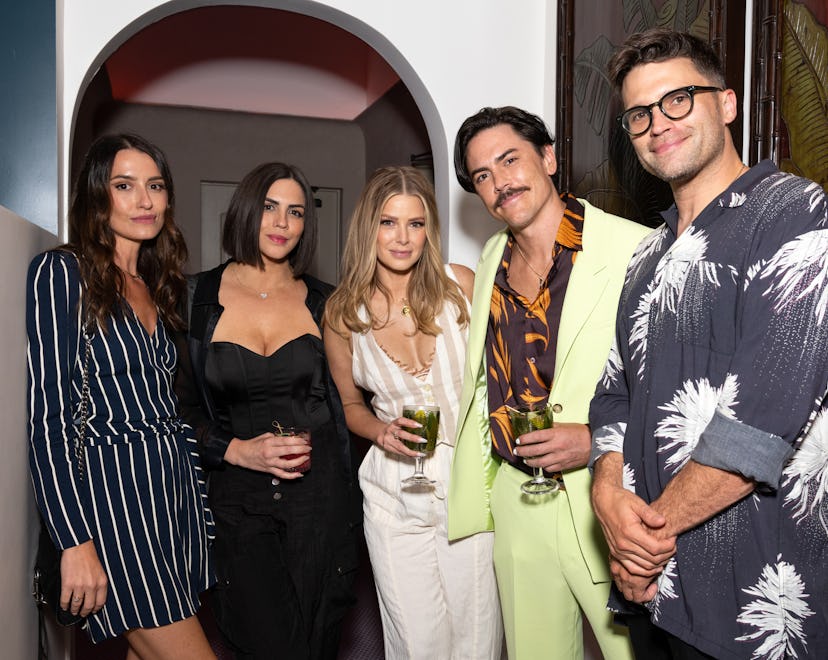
(143, 496)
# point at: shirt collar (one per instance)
(731, 197)
(571, 229)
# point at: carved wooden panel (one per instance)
(788, 116)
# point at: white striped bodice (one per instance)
(392, 387)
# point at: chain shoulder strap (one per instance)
(80, 436)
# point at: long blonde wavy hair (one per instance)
(429, 287)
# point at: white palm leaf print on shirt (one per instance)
(683, 257)
(816, 196)
(640, 329)
(628, 477)
(806, 474)
(613, 367)
(666, 588)
(799, 269)
(648, 246)
(692, 408)
(777, 612)
(610, 438)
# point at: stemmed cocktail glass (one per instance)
(429, 419)
(526, 419)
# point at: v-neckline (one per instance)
(421, 374)
(150, 333)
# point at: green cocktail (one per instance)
(525, 420)
(429, 418)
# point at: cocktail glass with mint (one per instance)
(429, 419)
(525, 419)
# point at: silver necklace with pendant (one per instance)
(262, 294)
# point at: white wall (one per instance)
(19, 241)
(455, 57)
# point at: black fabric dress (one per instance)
(275, 538)
(285, 551)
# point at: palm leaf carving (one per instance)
(684, 15)
(805, 92)
(591, 83)
(639, 15)
(619, 184)
(648, 194)
(681, 15)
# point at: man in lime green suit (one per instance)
(543, 318)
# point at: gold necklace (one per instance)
(262, 294)
(541, 278)
(136, 276)
(406, 308)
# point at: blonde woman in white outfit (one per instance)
(396, 329)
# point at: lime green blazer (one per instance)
(584, 338)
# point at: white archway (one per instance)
(455, 57)
(341, 19)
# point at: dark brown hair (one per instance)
(660, 45)
(530, 127)
(92, 240)
(244, 218)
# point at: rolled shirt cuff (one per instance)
(728, 444)
(605, 439)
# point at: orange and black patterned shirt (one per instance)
(522, 335)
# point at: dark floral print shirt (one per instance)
(721, 356)
(522, 333)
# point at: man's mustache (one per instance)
(502, 197)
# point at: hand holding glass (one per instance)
(429, 419)
(526, 419)
(292, 431)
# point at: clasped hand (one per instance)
(639, 546)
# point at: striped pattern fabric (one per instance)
(377, 372)
(143, 498)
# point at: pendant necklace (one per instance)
(406, 308)
(541, 278)
(136, 276)
(262, 294)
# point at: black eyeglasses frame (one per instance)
(691, 91)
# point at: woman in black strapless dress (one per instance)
(285, 542)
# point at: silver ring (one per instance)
(77, 599)
(396, 437)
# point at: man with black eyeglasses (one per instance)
(709, 424)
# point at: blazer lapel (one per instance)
(587, 282)
(481, 305)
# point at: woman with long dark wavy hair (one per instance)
(129, 512)
(285, 549)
